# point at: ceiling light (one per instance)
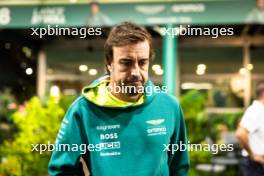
(200, 72)
(201, 66)
(242, 71)
(29, 71)
(83, 68)
(93, 71)
(159, 72)
(54, 91)
(250, 66)
(156, 67)
(72, 1)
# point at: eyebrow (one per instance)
(131, 58)
(126, 58)
(143, 58)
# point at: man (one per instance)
(96, 17)
(257, 14)
(250, 133)
(126, 129)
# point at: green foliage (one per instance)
(66, 101)
(7, 107)
(11, 166)
(193, 104)
(199, 126)
(37, 125)
(231, 120)
(226, 120)
(6, 98)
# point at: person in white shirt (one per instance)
(256, 15)
(250, 134)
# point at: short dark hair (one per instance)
(94, 3)
(260, 89)
(123, 34)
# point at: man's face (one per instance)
(260, 4)
(130, 65)
(94, 8)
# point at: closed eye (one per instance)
(126, 62)
(143, 62)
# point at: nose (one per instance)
(135, 70)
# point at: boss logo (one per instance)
(109, 136)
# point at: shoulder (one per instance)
(167, 98)
(252, 112)
(254, 108)
(77, 104)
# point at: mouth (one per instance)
(135, 82)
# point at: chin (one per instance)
(132, 95)
(136, 84)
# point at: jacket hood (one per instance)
(96, 95)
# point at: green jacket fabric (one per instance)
(121, 140)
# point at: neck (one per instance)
(260, 8)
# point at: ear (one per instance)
(109, 67)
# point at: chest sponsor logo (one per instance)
(156, 131)
(109, 136)
(107, 127)
(156, 127)
(155, 122)
(110, 145)
(110, 153)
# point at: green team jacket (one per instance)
(122, 141)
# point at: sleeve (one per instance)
(250, 120)
(179, 160)
(65, 159)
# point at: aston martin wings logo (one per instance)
(155, 122)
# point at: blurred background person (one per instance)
(96, 17)
(257, 14)
(250, 133)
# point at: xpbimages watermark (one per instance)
(116, 145)
(213, 148)
(56, 30)
(187, 30)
